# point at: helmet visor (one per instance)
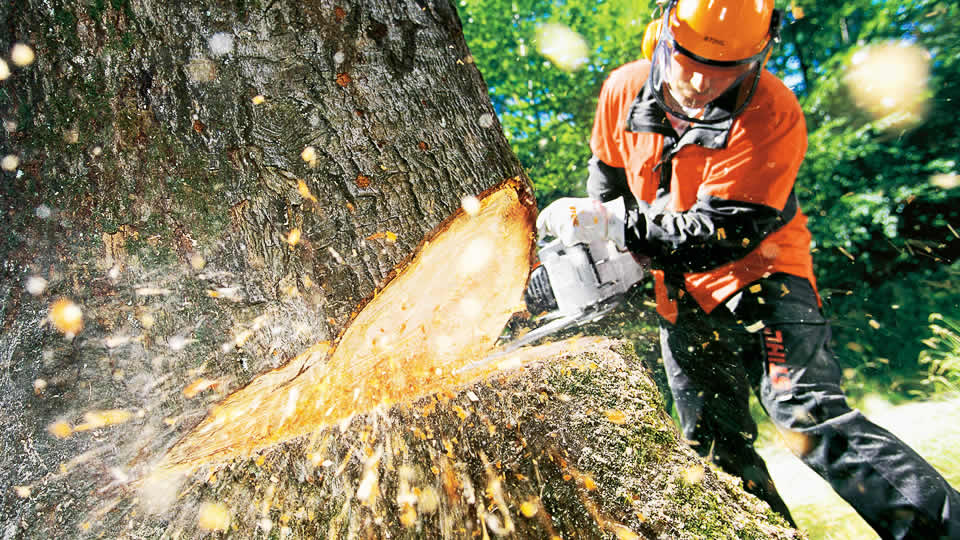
(686, 84)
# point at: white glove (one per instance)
(583, 220)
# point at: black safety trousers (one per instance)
(771, 338)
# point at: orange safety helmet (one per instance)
(724, 30)
(718, 29)
(719, 40)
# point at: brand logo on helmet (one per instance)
(714, 40)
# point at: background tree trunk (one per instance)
(162, 168)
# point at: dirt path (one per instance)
(932, 428)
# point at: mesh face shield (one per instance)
(686, 85)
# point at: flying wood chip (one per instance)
(440, 312)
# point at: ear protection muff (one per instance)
(650, 37)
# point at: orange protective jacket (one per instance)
(715, 209)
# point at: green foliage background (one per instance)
(885, 237)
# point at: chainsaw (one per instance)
(575, 285)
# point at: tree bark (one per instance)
(140, 119)
(217, 187)
(161, 171)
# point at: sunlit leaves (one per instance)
(942, 356)
(858, 146)
(525, 50)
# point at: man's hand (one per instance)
(583, 220)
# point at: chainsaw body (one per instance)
(575, 285)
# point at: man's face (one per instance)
(693, 84)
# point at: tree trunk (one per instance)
(203, 191)
(145, 119)
(162, 168)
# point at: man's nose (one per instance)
(697, 81)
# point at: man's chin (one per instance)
(697, 103)
(688, 104)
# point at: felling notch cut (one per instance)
(441, 311)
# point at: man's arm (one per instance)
(713, 232)
(605, 182)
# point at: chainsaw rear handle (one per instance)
(539, 295)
